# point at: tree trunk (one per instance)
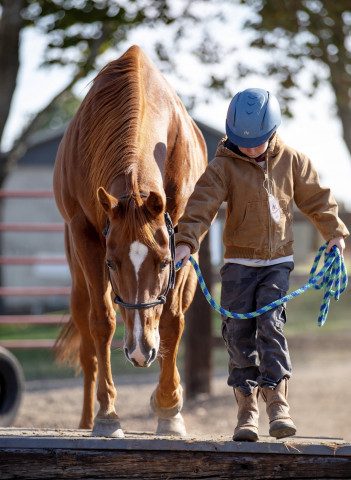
(340, 83)
(10, 27)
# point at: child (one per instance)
(259, 177)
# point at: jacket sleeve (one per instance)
(317, 202)
(203, 204)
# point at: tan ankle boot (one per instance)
(277, 407)
(247, 427)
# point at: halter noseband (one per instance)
(172, 272)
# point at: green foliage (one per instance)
(58, 115)
(308, 41)
(76, 28)
(309, 37)
(80, 30)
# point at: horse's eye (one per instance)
(110, 264)
(164, 264)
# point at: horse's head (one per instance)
(140, 268)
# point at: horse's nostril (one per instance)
(153, 355)
(126, 353)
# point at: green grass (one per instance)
(40, 363)
(303, 311)
(29, 332)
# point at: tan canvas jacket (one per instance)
(250, 231)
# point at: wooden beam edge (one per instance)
(32, 439)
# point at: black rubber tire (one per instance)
(11, 387)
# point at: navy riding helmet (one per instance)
(253, 116)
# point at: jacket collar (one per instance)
(275, 145)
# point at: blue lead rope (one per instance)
(332, 274)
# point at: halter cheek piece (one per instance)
(172, 272)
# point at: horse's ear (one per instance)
(107, 201)
(154, 204)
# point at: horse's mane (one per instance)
(140, 222)
(108, 124)
(108, 120)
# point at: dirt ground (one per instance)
(319, 397)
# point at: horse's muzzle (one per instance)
(141, 360)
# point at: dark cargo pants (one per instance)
(258, 350)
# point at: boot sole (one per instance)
(282, 431)
(245, 436)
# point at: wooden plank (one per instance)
(75, 454)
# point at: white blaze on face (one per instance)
(137, 254)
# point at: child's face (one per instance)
(254, 152)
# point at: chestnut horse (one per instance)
(130, 157)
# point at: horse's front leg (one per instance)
(102, 325)
(80, 311)
(167, 399)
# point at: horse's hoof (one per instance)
(171, 426)
(104, 427)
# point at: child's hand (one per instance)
(182, 254)
(339, 242)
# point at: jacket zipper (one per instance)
(266, 180)
(266, 177)
(269, 221)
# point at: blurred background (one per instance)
(208, 50)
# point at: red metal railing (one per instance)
(33, 291)
(31, 227)
(22, 260)
(31, 260)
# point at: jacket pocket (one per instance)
(253, 230)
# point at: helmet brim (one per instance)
(247, 142)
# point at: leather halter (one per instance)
(172, 272)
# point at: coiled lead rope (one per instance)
(333, 274)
